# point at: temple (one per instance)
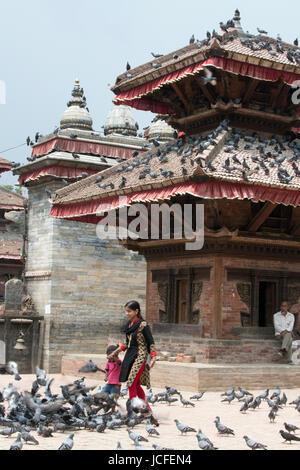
(76, 280)
(236, 152)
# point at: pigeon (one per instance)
(288, 436)
(185, 402)
(183, 428)
(41, 376)
(272, 415)
(228, 393)
(209, 78)
(205, 445)
(169, 399)
(262, 31)
(229, 398)
(90, 367)
(244, 407)
(27, 437)
(264, 395)
(68, 443)
(151, 429)
(253, 444)
(133, 436)
(8, 431)
(283, 399)
(17, 445)
(290, 427)
(197, 396)
(192, 39)
(157, 447)
(222, 429)
(44, 431)
(128, 67)
(276, 393)
(156, 56)
(75, 155)
(12, 369)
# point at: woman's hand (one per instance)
(153, 360)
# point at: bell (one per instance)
(20, 343)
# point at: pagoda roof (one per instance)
(226, 163)
(260, 57)
(5, 165)
(231, 45)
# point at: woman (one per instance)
(139, 344)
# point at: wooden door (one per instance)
(182, 300)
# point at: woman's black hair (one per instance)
(134, 305)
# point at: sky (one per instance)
(46, 44)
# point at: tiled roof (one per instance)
(10, 249)
(221, 155)
(231, 44)
(10, 199)
(4, 164)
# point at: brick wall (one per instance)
(86, 281)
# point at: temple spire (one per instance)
(77, 115)
(237, 22)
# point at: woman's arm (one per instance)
(150, 343)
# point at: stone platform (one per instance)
(200, 376)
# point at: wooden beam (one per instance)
(276, 94)
(182, 97)
(249, 90)
(261, 216)
(205, 91)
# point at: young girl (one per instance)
(139, 344)
(112, 369)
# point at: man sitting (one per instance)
(283, 325)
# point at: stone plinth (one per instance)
(201, 377)
(14, 291)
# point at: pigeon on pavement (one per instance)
(254, 445)
(222, 429)
(183, 428)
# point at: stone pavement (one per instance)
(254, 424)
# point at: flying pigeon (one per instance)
(90, 367)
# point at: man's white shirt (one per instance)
(283, 322)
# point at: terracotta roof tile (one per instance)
(209, 163)
(10, 249)
(10, 198)
(231, 43)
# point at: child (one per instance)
(112, 369)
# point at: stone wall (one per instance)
(78, 281)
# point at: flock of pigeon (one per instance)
(254, 42)
(246, 154)
(79, 407)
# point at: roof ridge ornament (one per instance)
(77, 115)
(237, 22)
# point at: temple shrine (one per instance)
(236, 151)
